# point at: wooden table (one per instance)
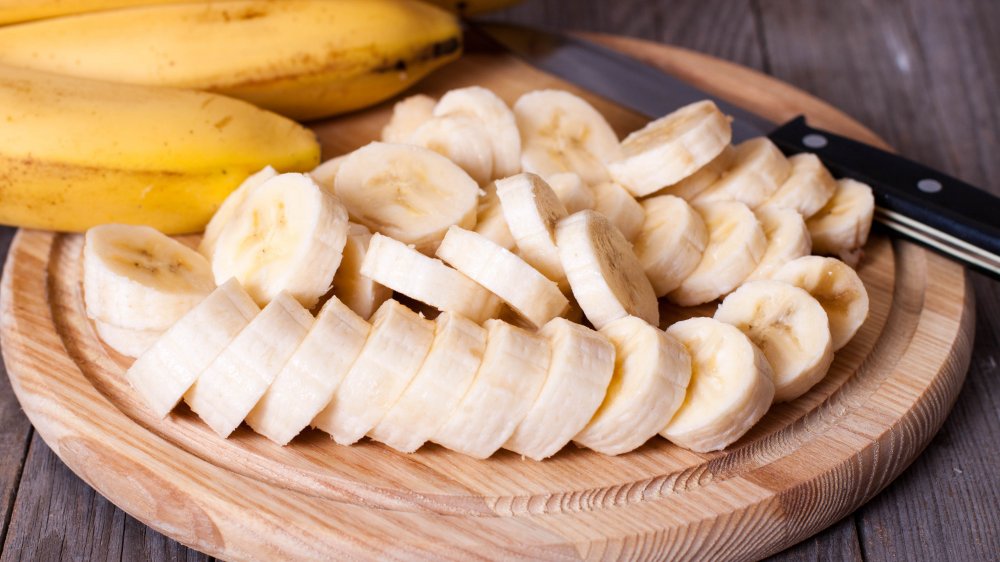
(923, 74)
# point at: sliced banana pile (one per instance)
(432, 287)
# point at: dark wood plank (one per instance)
(838, 543)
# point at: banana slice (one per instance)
(736, 244)
(490, 221)
(836, 286)
(408, 192)
(231, 207)
(170, 366)
(288, 236)
(561, 132)
(399, 341)
(671, 148)
(484, 106)
(582, 364)
(615, 203)
(532, 210)
(407, 116)
(651, 375)
(691, 186)
(325, 175)
(521, 286)
(671, 242)
(789, 326)
(137, 278)
(757, 171)
(808, 188)
(359, 293)
(787, 239)
(229, 388)
(572, 191)
(405, 270)
(463, 140)
(305, 385)
(841, 227)
(730, 387)
(515, 364)
(130, 343)
(441, 382)
(606, 277)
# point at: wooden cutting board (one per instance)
(803, 467)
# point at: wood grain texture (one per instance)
(805, 466)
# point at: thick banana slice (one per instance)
(407, 115)
(561, 132)
(787, 239)
(137, 278)
(730, 387)
(521, 286)
(288, 236)
(615, 203)
(532, 210)
(789, 326)
(130, 343)
(757, 171)
(808, 188)
(671, 242)
(484, 106)
(691, 186)
(408, 192)
(651, 376)
(512, 373)
(582, 364)
(490, 221)
(463, 140)
(231, 207)
(606, 277)
(841, 227)
(836, 286)
(305, 385)
(359, 293)
(399, 341)
(439, 385)
(572, 191)
(405, 270)
(326, 173)
(170, 366)
(671, 148)
(229, 388)
(736, 243)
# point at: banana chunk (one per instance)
(229, 388)
(532, 210)
(439, 385)
(651, 375)
(808, 188)
(787, 239)
(572, 191)
(515, 365)
(838, 289)
(690, 187)
(231, 207)
(405, 270)
(731, 386)
(325, 175)
(671, 148)
(615, 203)
(484, 106)
(130, 343)
(605, 275)
(841, 227)
(521, 286)
(359, 293)
(757, 171)
(582, 364)
(490, 221)
(407, 192)
(789, 326)
(137, 278)
(408, 115)
(463, 140)
(671, 242)
(287, 236)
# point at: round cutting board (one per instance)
(804, 466)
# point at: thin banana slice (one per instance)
(407, 115)
(405, 270)
(463, 140)
(787, 239)
(691, 186)
(288, 236)
(532, 210)
(484, 106)
(574, 193)
(399, 341)
(789, 326)
(408, 192)
(359, 293)
(326, 173)
(836, 286)
(808, 188)
(439, 385)
(671, 148)
(582, 364)
(736, 244)
(130, 343)
(606, 277)
(490, 221)
(305, 385)
(231, 207)
(229, 388)
(671, 242)
(615, 203)
(841, 227)
(137, 278)
(757, 171)
(730, 387)
(650, 379)
(561, 132)
(521, 286)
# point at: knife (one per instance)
(914, 201)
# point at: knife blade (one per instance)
(914, 201)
